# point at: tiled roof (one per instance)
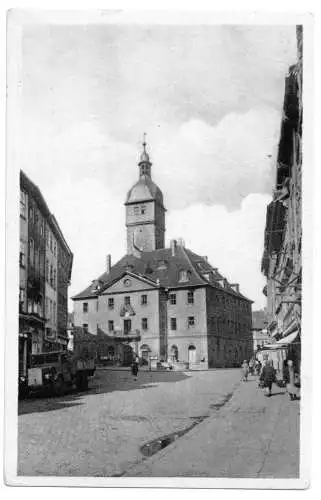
(163, 268)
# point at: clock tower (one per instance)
(145, 211)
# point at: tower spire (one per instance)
(144, 162)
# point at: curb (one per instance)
(159, 455)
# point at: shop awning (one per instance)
(289, 339)
(292, 327)
(270, 347)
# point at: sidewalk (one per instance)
(252, 436)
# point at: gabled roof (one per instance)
(164, 269)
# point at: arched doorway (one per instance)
(174, 353)
(144, 353)
(191, 354)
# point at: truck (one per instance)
(54, 371)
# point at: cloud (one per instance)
(93, 222)
(209, 98)
(232, 241)
(222, 164)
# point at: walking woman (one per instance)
(268, 376)
(289, 379)
(245, 370)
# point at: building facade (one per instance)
(281, 263)
(163, 303)
(41, 243)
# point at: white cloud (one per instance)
(210, 99)
(233, 241)
(199, 163)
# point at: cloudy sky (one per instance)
(209, 98)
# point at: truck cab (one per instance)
(54, 371)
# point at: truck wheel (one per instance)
(59, 387)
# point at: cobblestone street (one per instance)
(100, 432)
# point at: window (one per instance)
(54, 278)
(127, 326)
(183, 276)
(85, 307)
(42, 228)
(22, 295)
(51, 275)
(97, 305)
(31, 214)
(191, 321)
(143, 210)
(31, 251)
(144, 300)
(136, 210)
(110, 326)
(173, 324)
(47, 270)
(144, 324)
(190, 297)
(111, 303)
(23, 204)
(172, 299)
(85, 327)
(22, 256)
(127, 300)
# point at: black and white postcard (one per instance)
(158, 328)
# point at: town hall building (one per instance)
(165, 304)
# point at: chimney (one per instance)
(108, 263)
(173, 247)
(236, 287)
(205, 258)
(181, 242)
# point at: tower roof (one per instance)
(144, 189)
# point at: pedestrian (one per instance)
(135, 367)
(268, 376)
(251, 367)
(258, 367)
(289, 378)
(245, 370)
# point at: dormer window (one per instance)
(162, 264)
(183, 276)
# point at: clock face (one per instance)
(127, 282)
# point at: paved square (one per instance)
(99, 433)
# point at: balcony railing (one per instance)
(124, 334)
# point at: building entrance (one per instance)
(191, 354)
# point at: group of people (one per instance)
(267, 376)
(254, 367)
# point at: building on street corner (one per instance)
(45, 264)
(163, 303)
(281, 262)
